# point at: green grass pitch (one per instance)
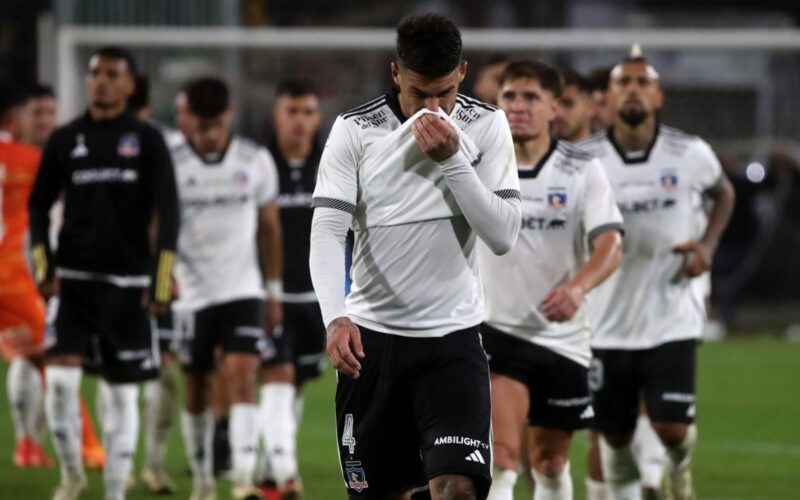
(748, 417)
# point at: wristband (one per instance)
(274, 289)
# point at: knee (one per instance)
(453, 487)
(551, 466)
(670, 434)
(618, 440)
(506, 456)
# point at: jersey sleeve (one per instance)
(45, 190)
(498, 167)
(600, 211)
(167, 210)
(337, 180)
(268, 187)
(706, 168)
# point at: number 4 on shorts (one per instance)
(347, 436)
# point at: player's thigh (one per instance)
(615, 386)
(74, 325)
(454, 374)
(21, 325)
(510, 404)
(309, 345)
(277, 348)
(378, 446)
(127, 337)
(197, 333)
(559, 389)
(242, 326)
(669, 381)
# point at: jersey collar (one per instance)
(532, 174)
(624, 156)
(216, 159)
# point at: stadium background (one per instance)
(730, 69)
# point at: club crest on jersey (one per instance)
(557, 201)
(128, 146)
(669, 180)
(240, 178)
(356, 479)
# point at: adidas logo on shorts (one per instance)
(475, 456)
(587, 413)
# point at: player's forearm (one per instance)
(724, 199)
(270, 244)
(167, 227)
(605, 259)
(39, 204)
(326, 261)
(495, 219)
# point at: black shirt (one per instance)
(296, 190)
(115, 175)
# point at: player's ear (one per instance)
(462, 71)
(395, 67)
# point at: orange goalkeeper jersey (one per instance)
(18, 165)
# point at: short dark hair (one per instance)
(547, 75)
(12, 96)
(295, 88)
(140, 98)
(208, 97)
(114, 52)
(598, 78)
(428, 44)
(40, 90)
(573, 78)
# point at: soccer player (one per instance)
(298, 351)
(22, 311)
(575, 108)
(229, 225)
(421, 173)
(115, 174)
(39, 118)
(487, 83)
(161, 394)
(649, 315)
(536, 331)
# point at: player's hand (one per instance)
(437, 138)
(159, 308)
(562, 303)
(696, 258)
(50, 289)
(344, 347)
(273, 315)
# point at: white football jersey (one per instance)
(566, 202)
(414, 267)
(648, 302)
(219, 201)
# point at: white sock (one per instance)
(102, 401)
(620, 472)
(24, 386)
(553, 488)
(651, 457)
(279, 429)
(503, 481)
(243, 434)
(198, 434)
(160, 401)
(64, 416)
(121, 431)
(680, 456)
(299, 406)
(595, 490)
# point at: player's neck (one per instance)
(101, 113)
(636, 138)
(295, 151)
(584, 133)
(530, 152)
